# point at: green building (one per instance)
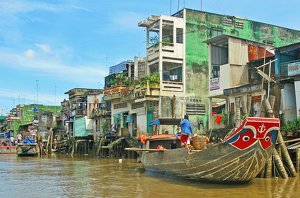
(25, 115)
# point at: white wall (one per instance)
(288, 102)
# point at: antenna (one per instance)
(106, 57)
(37, 91)
(170, 7)
(55, 98)
(201, 5)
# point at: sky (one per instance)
(48, 47)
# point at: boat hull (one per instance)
(8, 149)
(27, 149)
(220, 163)
(238, 158)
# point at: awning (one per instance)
(6, 134)
(288, 48)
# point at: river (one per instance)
(83, 176)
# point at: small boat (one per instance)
(238, 158)
(8, 149)
(27, 148)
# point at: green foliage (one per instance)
(225, 118)
(284, 128)
(154, 79)
(245, 116)
(105, 126)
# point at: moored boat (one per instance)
(27, 148)
(8, 149)
(238, 158)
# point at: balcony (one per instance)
(290, 68)
(99, 112)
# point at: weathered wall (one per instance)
(200, 26)
(29, 113)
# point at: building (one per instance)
(287, 72)
(176, 50)
(77, 111)
(236, 79)
(24, 118)
(178, 55)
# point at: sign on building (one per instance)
(214, 83)
(293, 69)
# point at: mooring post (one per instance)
(297, 159)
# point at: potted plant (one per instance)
(283, 130)
(154, 80)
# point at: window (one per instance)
(141, 68)
(219, 55)
(217, 33)
(179, 35)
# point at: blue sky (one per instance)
(50, 47)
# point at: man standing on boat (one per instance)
(186, 130)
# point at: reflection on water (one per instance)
(66, 176)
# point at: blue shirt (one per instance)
(186, 126)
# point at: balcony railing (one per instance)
(294, 68)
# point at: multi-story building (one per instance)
(24, 118)
(237, 79)
(78, 114)
(287, 72)
(176, 50)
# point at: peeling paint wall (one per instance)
(200, 27)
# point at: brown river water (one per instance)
(83, 176)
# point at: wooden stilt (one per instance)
(286, 156)
(280, 166)
(297, 161)
(268, 171)
(244, 105)
(249, 103)
(268, 108)
(238, 112)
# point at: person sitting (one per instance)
(186, 130)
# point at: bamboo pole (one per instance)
(268, 108)
(249, 103)
(286, 156)
(279, 165)
(238, 112)
(297, 159)
(268, 171)
(99, 147)
(262, 173)
(244, 105)
(272, 101)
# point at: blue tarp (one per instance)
(156, 122)
(6, 134)
(28, 141)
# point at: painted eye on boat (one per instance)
(267, 138)
(246, 138)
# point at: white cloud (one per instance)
(53, 67)
(45, 48)
(29, 53)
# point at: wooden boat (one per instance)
(238, 158)
(8, 149)
(27, 149)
